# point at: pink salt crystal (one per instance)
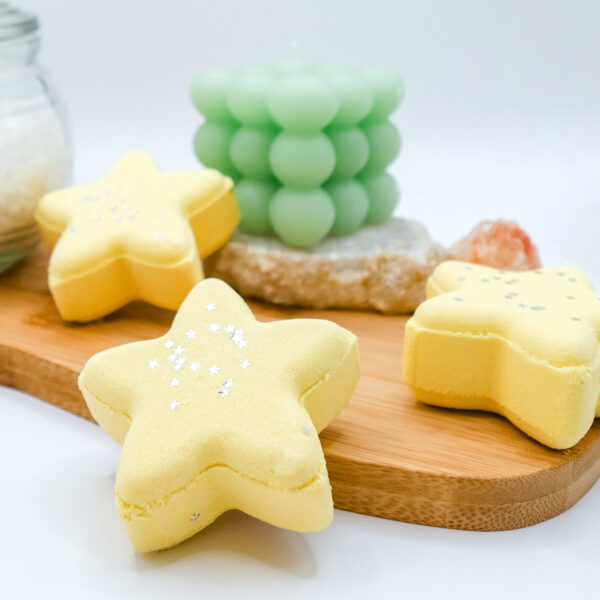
(499, 244)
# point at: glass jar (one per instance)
(35, 153)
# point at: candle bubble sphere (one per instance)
(209, 92)
(250, 149)
(389, 91)
(384, 145)
(302, 160)
(351, 151)
(211, 144)
(302, 103)
(351, 204)
(383, 197)
(247, 96)
(254, 199)
(301, 217)
(355, 94)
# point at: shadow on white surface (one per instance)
(236, 533)
(78, 498)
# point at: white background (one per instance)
(501, 119)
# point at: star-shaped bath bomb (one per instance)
(521, 344)
(138, 234)
(240, 434)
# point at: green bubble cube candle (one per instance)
(308, 146)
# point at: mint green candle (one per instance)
(308, 146)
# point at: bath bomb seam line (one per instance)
(512, 345)
(113, 259)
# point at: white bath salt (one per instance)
(34, 160)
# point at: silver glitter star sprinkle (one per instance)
(174, 382)
(190, 334)
(195, 366)
(245, 363)
(173, 357)
(210, 307)
(214, 327)
(241, 343)
(230, 328)
(174, 405)
(169, 344)
(228, 383)
(223, 392)
(179, 363)
(214, 370)
(153, 363)
(194, 516)
(179, 350)
(306, 430)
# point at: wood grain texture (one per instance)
(387, 455)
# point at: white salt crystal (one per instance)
(34, 159)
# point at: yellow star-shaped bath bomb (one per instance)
(524, 345)
(138, 234)
(222, 412)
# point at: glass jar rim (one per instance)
(16, 23)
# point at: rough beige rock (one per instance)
(382, 267)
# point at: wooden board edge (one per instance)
(451, 502)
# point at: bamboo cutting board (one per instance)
(387, 455)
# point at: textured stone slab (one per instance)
(380, 267)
